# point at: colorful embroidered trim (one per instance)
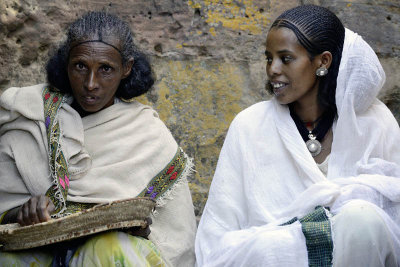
(167, 178)
(58, 165)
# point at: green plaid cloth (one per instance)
(316, 228)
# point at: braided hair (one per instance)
(101, 26)
(317, 29)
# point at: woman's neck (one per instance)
(79, 109)
(308, 112)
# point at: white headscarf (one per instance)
(364, 124)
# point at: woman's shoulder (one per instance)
(136, 108)
(23, 92)
(380, 116)
(254, 115)
(24, 100)
(138, 112)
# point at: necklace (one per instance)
(314, 137)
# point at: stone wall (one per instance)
(208, 56)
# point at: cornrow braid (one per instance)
(317, 29)
(102, 27)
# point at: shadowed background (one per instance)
(208, 57)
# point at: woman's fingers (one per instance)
(43, 207)
(24, 212)
(141, 231)
(145, 231)
(20, 216)
(33, 211)
(149, 221)
(37, 209)
(50, 206)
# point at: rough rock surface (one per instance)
(208, 56)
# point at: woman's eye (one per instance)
(80, 66)
(106, 68)
(269, 60)
(286, 59)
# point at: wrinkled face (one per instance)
(95, 71)
(289, 68)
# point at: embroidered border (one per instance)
(167, 178)
(58, 165)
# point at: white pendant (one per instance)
(313, 145)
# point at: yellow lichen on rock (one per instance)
(240, 15)
(220, 89)
(199, 126)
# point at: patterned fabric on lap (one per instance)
(316, 228)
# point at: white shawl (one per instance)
(112, 154)
(265, 175)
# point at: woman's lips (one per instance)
(278, 87)
(89, 99)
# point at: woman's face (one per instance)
(95, 71)
(289, 68)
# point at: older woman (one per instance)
(311, 177)
(82, 139)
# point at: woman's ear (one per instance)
(326, 59)
(127, 68)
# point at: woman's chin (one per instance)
(88, 109)
(282, 100)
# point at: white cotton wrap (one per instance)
(266, 176)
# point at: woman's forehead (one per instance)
(281, 38)
(110, 40)
(98, 50)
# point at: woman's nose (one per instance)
(274, 68)
(91, 82)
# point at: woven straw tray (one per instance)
(119, 214)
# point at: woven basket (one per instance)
(118, 214)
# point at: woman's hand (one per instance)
(36, 210)
(141, 231)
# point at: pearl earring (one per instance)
(321, 71)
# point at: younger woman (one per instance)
(311, 177)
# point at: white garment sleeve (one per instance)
(13, 191)
(21, 159)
